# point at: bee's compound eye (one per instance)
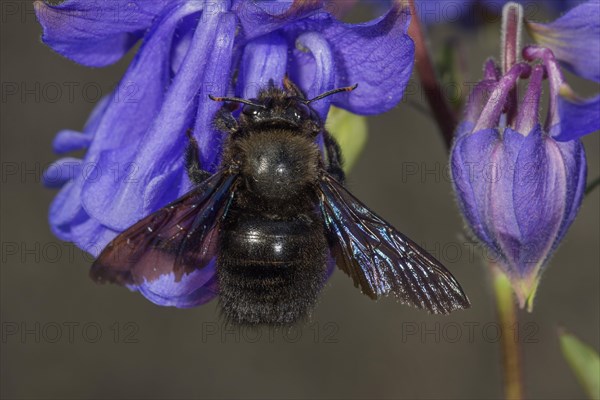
(300, 112)
(251, 111)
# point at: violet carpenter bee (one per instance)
(272, 215)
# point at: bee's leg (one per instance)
(192, 161)
(334, 157)
(224, 120)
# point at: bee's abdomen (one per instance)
(270, 271)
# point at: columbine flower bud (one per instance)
(518, 185)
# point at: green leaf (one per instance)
(584, 362)
(350, 131)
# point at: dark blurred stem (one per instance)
(506, 307)
(593, 185)
(512, 23)
(442, 112)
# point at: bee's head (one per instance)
(275, 107)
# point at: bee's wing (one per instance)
(178, 238)
(382, 260)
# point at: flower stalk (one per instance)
(506, 308)
(440, 107)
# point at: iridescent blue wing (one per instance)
(381, 260)
(178, 238)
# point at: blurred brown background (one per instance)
(65, 337)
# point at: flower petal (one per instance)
(208, 138)
(68, 140)
(539, 191)
(574, 38)
(62, 171)
(569, 117)
(499, 211)
(96, 33)
(141, 92)
(496, 102)
(70, 222)
(261, 17)
(527, 112)
(65, 210)
(463, 128)
(471, 177)
(264, 58)
(192, 290)
(573, 155)
(113, 171)
(576, 118)
(91, 236)
(120, 203)
(378, 55)
(323, 77)
(118, 120)
(480, 95)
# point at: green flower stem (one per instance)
(511, 353)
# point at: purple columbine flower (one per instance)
(520, 183)
(135, 138)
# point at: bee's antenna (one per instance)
(236, 100)
(334, 91)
